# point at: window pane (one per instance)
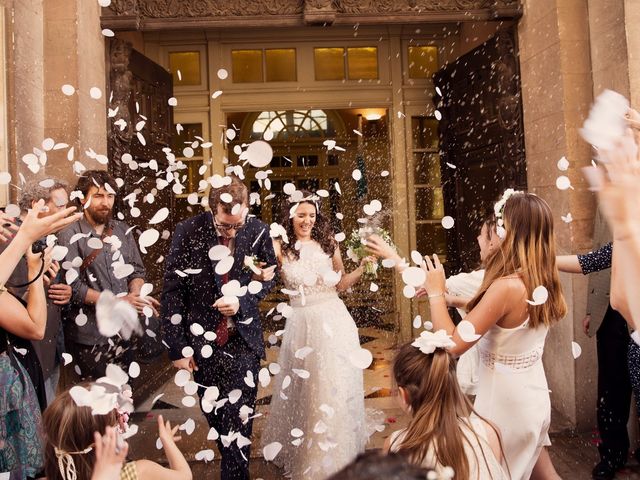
(281, 64)
(279, 161)
(246, 66)
(329, 63)
(363, 62)
(308, 161)
(188, 63)
(425, 132)
(430, 238)
(423, 61)
(332, 160)
(186, 138)
(429, 204)
(427, 168)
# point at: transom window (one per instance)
(289, 124)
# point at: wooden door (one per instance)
(140, 90)
(482, 136)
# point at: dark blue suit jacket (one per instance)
(192, 295)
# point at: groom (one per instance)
(217, 335)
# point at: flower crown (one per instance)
(498, 210)
(427, 342)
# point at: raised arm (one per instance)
(178, 467)
(568, 263)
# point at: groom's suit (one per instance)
(191, 287)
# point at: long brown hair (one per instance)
(322, 232)
(70, 428)
(527, 250)
(439, 408)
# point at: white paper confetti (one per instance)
(540, 295)
(361, 358)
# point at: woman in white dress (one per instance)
(317, 408)
(510, 332)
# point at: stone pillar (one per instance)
(74, 54)
(557, 92)
(26, 81)
(631, 16)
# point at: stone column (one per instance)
(557, 92)
(74, 54)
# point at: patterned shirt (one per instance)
(597, 260)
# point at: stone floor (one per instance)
(573, 455)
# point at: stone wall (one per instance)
(557, 91)
(51, 43)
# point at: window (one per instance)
(423, 61)
(281, 64)
(430, 235)
(329, 63)
(246, 66)
(362, 63)
(288, 124)
(187, 149)
(359, 63)
(257, 65)
(185, 68)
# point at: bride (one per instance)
(317, 408)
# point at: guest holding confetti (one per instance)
(510, 329)
(72, 446)
(444, 431)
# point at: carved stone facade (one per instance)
(159, 14)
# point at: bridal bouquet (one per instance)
(357, 248)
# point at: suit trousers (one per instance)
(614, 389)
(226, 369)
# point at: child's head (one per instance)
(488, 238)
(428, 388)
(69, 437)
(421, 378)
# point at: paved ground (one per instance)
(573, 454)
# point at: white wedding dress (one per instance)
(513, 393)
(317, 408)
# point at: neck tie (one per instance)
(222, 330)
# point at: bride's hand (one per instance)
(435, 282)
(266, 274)
(368, 259)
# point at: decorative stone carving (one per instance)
(303, 11)
(319, 12)
(406, 6)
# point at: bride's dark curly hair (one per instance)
(322, 232)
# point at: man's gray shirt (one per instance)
(98, 276)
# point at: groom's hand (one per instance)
(266, 274)
(226, 309)
(185, 364)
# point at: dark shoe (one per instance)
(603, 471)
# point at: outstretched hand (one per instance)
(376, 246)
(34, 227)
(435, 282)
(167, 433)
(109, 458)
(266, 273)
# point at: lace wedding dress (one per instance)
(317, 407)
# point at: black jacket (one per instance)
(191, 295)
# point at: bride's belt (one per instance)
(313, 298)
(518, 361)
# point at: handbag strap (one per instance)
(107, 232)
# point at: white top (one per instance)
(477, 449)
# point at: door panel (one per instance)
(482, 134)
(140, 89)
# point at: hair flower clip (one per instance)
(427, 342)
(498, 210)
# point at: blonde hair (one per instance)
(439, 408)
(528, 250)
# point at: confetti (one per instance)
(271, 451)
(576, 350)
(361, 358)
(540, 295)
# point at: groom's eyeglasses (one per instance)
(226, 227)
